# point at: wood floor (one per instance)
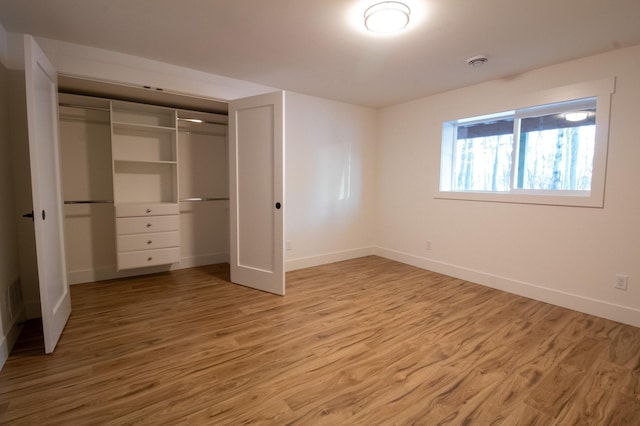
(363, 342)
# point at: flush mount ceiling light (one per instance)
(576, 116)
(387, 17)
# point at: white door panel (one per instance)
(256, 157)
(42, 119)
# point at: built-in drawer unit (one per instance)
(147, 234)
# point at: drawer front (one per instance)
(143, 258)
(133, 242)
(147, 209)
(139, 225)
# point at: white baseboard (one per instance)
(110, 272)
(623, 314)
(322, 259)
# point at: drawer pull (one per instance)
(148, 210)
(148, 225)
(149, 242)
(149, 259)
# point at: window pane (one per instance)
(555, 153)
(482, 156)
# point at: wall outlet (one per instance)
(622, 281)
(427, 245)
(289, 245)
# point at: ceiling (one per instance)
(319, 47)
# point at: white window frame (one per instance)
(599, 89)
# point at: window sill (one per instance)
(568, 199)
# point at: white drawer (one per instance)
(146, 209)
(132, 242)
(139, 225)
(143, 258)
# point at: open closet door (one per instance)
(42, 118)
(256, 163)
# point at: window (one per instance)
(552, 153)
(482, 150)
(556, 149)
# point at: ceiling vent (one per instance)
(477, 61)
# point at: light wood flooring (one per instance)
(362, 342)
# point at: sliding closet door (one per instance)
(42, 118)
(256, 162)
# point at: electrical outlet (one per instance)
(428, 245)
(622, 281)
(289, 245)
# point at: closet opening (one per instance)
(145, 180)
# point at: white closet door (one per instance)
(42, 117)
(256, 163)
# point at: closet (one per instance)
(145, 187)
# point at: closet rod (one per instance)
(204, 199)
(63, 104)
(88, 202)
(191, 120)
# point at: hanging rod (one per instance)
(88, 202)
(199, 121)
(64, 104)
(204, 199)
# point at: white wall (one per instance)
(9, 266)
(11, 54)
(22, 192)
(564, 255)
(330, 154)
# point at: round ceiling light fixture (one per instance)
(387, 17)
(477, 61)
